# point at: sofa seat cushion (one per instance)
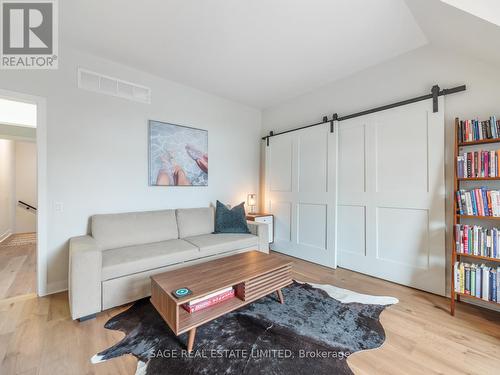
(132, 259)
(211, 244)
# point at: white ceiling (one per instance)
(263, 52)
(485, 9)
(461, 27)
(257, 52)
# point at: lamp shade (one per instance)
(252, 199)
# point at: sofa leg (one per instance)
(88, 317)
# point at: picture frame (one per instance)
(177, 155)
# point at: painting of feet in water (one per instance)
(178, 155)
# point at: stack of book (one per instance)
(478, 280)
(209, 300)
(475, 130)
(478, 202)
(478, 164)
(476, 240)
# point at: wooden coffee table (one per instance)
(253, 275)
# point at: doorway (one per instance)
(21, 270)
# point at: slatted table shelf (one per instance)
(252, 274)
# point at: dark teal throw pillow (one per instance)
(230, 220)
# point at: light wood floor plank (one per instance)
(9, 273)
(37, 335)
(418, 326)
(17, 265)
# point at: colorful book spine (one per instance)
(498, 284)
(493, 285)
(478, 164)
(476, 240)
(462, 277)
(486, 282)
(209, 302)
(480, 281)
(478, 202)
(467, 282)
(476, 130)
(472, 280)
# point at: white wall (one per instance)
(25, 172)
(406, 76)
(97, 148)
(6, 188)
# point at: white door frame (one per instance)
(41, 147)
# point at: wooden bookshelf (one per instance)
(477, 217)
(477, 298)
(478, 178)
(455, 296)
(488, 259)
(480, 142)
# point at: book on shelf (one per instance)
(475, 130)
(476, 240)
(478, 202)
(209, 300)
(478, 164)
(476, 280)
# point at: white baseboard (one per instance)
(57, 286)
(4, 236)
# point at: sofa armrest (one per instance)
(261, 231)
(84, 279)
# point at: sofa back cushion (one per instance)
(133, 228)
(195, 221)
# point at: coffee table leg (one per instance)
(192, 333)
(280, 296)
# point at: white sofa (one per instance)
(112, 266)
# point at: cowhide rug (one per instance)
(313, 332)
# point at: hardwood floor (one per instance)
(421, 336)
(18, 265)
(37, 335)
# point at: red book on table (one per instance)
(209, 302)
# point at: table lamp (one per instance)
(252, 202)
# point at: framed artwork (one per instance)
(178, 155)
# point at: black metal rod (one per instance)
(452, 90)
(294, 130)
(27, 205)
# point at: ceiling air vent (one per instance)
(97, 82)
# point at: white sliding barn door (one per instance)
(301, 193)
(391, 195)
